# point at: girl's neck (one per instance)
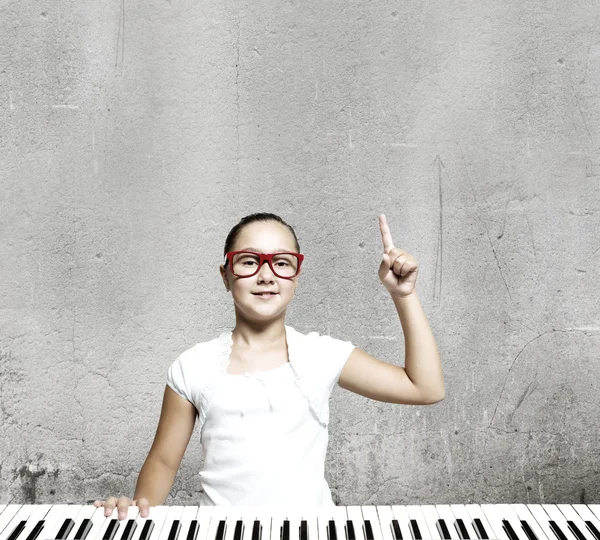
(246, 336)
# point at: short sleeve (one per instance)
(178, 379)
(333, 354)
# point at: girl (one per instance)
(261, 391)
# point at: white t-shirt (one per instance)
(264, 436)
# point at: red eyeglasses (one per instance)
(285, 265)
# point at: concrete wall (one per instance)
(134, 135)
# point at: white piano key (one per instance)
(370, 514)
(557, 516)
(355, 516)
(570, 514)
(23, 514)
(173, 514)
(414, 512)
(70, 512)
(506, 513)
(386, 516)
(523, 513)
(459, 511)
(595, 508)
(7, 515)
(543, 520)
(219, 514)
(494, 517)
(445, 513)
(476, 512)
(51, 517)
(85, 512)
(308, 514)
(189, 514)
(401, 514)
(39, 513)
(204, 516)
(586, 515)
(337, 514)
(431, 517)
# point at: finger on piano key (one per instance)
(480, 522)
(551, 528)
(418, 525)
(15, 526)
(446, 514)
(558, 517)
(591, 521)
(464, 522)
(577, 525)
(354, 523)
(528, 523)
(149, 528)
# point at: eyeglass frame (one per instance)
(268, 257)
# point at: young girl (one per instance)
(261, 391)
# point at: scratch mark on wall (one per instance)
(121, 36)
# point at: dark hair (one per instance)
(237, 229)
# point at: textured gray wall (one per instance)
(134, 135)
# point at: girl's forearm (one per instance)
(421, 356)
(154, 482)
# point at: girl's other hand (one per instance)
(122, 504)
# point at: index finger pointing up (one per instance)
(386, 235)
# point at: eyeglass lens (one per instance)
(246, 264)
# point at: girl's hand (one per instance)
(122, 504)
(398, 270)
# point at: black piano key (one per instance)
(18, 530)
(175, 528)
(285, 530)
(303, 530)
(220, 530)
(238, 533)
(575, 530)
(331, 532)
(414, 529)
(480, 529)
(443, 529)
(111, 530)
(508, 529)
(593, 529)
(368, 530)
(36, 530)
(529, 531)
(257, 530)
(129, 530)
(557, 531)
(396, 532)
(65, 529)
(147, 530)
(461, 529)
(350, 532)
(84, 529)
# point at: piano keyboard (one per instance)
(411, 522)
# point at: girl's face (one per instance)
(262, 237)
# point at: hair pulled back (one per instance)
(263, 216)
